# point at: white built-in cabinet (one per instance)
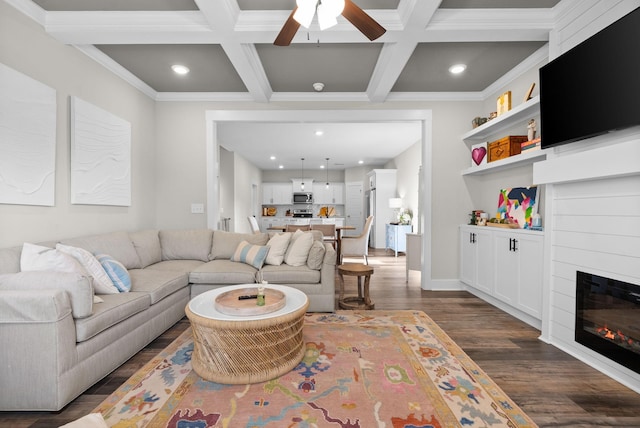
(276, 193)
(505, 266)
(476, 268)
(333, 195)
(518, 272)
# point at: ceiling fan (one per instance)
(327, 11)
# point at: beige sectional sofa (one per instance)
(56, 342)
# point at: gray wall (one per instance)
(26, 48)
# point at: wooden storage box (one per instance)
(505, 147)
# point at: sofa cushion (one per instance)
(286, 274)
(114, 309)
(117, 273)
(316, 255)
(184, 266)
(225, 243)
(223, 272)
(101, 281)
(78, 287)
(187, 244)
(116, 244)
(298, 250)
(278, 245)
(253, 255)
(147, 245)
(158, 283)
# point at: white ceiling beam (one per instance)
(195, 27)
(222, 16)
(394, 56)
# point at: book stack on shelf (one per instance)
(530, 145)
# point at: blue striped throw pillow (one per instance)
(253, 255)
(116, 271)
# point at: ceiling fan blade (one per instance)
(288, 31)
(362, 21)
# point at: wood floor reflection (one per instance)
(555, 389)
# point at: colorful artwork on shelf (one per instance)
(518, 204)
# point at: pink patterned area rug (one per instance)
(392, 369)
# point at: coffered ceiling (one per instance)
(228, 47)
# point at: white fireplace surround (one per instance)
(592, 224)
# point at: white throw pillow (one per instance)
(298, 250)
(101, 281)
(278, 245)
(39, 258)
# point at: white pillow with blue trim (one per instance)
(116, 271)
(253, 255)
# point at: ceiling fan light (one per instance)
(326, 16)
(334, 6)
(304, 13)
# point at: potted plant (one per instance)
(406, 216)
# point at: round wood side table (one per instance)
(362, 300)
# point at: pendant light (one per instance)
(327, 187)
(302, 174)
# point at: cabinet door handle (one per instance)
(515, 245)
(510, 244)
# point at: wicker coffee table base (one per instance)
(242, 352)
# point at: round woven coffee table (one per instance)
(242, 349)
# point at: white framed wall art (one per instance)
(100, 156)
(27, 140)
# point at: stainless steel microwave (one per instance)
(302, 198)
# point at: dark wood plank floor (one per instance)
(555, 389)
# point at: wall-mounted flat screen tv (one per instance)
(593, 88)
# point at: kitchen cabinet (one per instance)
(396, 237)
(276, 193)
(505, 266)
(476, 254)
(334, 195)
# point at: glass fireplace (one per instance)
(608, 318)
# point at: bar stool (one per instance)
(362, 301)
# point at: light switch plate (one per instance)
(197, 208)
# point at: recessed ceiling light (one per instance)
(360, 162)
(321, 166)
(180, 69)
(457, 68)
(319, 133)
(272, 158)
(280, 166)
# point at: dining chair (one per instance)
(253, 222)
(294, 227)
(357, 246)
(328, 232)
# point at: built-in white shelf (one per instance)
(504, 121)
(510, 162)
